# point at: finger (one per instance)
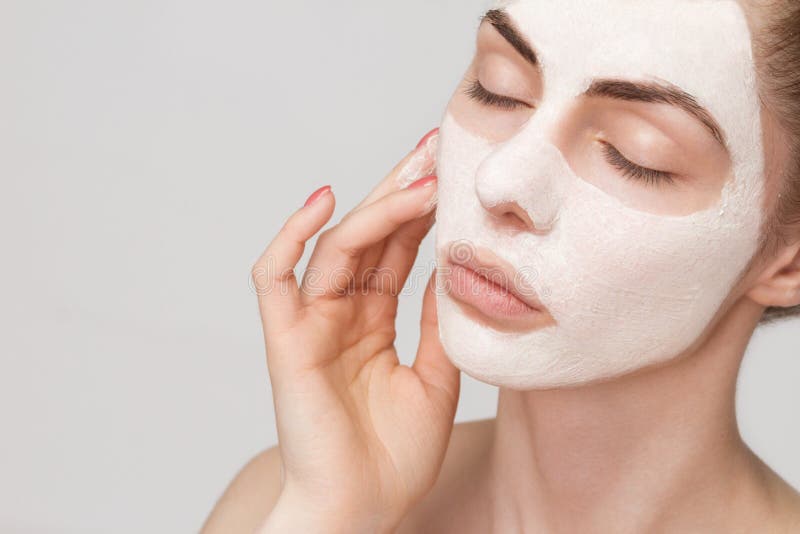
(399, 255)
(418, 163)
(339, 250)
(273, 274)
(441, 377)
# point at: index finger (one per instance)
(418, 163)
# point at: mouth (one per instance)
(493, 292)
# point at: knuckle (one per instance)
(260, 265)
(327, 238)
(408, 241)
(349, 252)
(326, 235)
(260, 279)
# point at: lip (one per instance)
(491, 290)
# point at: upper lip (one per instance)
(487, 264)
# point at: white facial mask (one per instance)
(626, 288)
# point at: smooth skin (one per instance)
(369, 445)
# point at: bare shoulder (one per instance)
(786, 504)
(449, 500)
(252, 494)
(786, 509)
(780, 501)
(249, 498)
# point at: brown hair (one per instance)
(776, 45)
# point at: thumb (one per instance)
(441, 378)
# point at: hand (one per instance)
(362, 437)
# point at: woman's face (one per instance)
(602, 163)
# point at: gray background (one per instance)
(149, 149)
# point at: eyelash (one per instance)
(631, 170)
(479, 93)
(476, 91)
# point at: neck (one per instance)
(630, 454)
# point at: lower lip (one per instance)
(485, 296)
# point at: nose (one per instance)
(521, 184)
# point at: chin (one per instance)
(536, 360)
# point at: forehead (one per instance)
(701, 46)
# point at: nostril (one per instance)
(512, 219)
(511, 215)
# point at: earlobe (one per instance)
(779, 284)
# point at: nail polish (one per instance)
(316, 195)
(423, 161)
(423, 182)
(427, 136)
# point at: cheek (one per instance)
(634, 279)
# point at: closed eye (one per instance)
(476, 91)
(479, 93)
(633, 171)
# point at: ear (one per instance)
(779, 284)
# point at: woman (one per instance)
(613, 223)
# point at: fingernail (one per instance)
(316, 195)
(433, 198)
(423, 182)
(427, 136)
(423, 161)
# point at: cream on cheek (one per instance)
(626, 288)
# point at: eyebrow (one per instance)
(654, 92)
(505, 26)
